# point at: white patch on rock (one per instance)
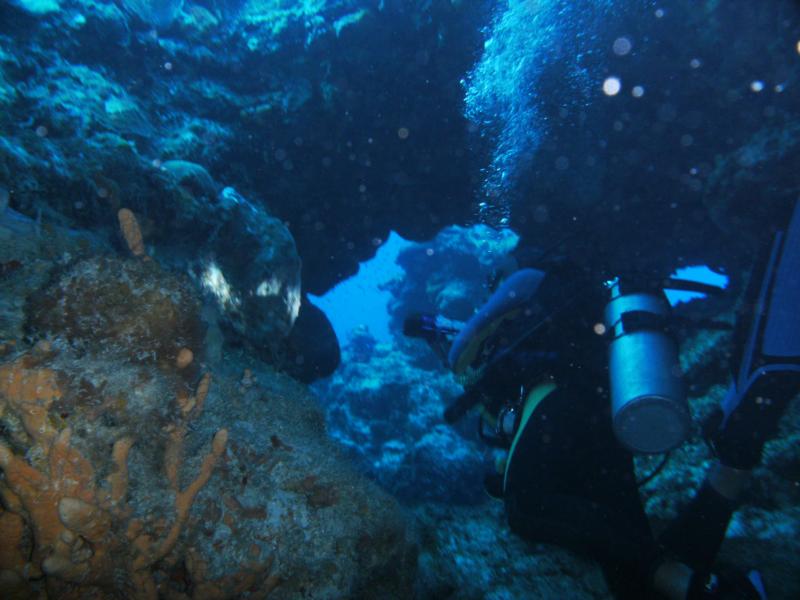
(214, 281)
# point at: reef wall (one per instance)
(133, 469)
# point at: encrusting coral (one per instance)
(57, 521)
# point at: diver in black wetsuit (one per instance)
(569, 477)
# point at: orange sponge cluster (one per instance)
(58, 523)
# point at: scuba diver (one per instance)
(572, 392)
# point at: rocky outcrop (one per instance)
(129, 469)
(277, 100)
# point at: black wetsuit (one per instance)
(571, 483)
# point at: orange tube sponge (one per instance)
(29, 393)
(83, 538)
(131, 231)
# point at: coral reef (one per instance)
(385, 403)
(84, 538)
(244, 136)
(122, 476)
(451, 274)
(110, 489)
(387, 411)
(239, 89)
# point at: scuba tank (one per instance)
(649, 405)
(650, 412)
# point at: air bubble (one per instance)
(622, 46)
(612, 86)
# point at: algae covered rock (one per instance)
(119, 481)
(129, 309)
(123, 479)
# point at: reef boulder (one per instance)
(129, 309)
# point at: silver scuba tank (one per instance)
(650, 413)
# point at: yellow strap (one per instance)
(470, 351)
(536, 395)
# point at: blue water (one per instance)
(700, 273)
(359, 302)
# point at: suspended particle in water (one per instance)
(659, 13)
(612, 86)
(562, 163)
(622, 46)
(695, 63)
(637, 91)
(798, 46)
(41, 131)
(429, 251)
(599, 329)
(667, 113)
(757, 86)
(779, 88)
(687, 140)
(402, 133)
(168, 66)
(540, 214)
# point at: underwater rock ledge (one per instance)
(131, 478)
